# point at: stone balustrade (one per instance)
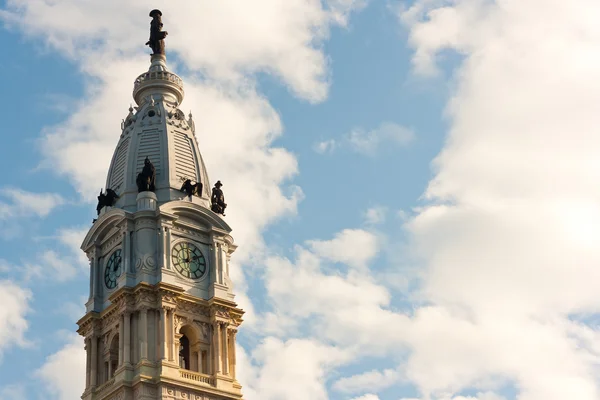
(195, 376)
(157, 75)
(105, 385)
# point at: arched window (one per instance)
(194, 349)
(114, 355)
(184, 352)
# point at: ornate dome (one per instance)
(157, 129)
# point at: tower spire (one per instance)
(161, 320)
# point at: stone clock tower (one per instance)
(161, 320)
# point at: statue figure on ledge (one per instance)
(218, 199)
(157, 35)
(107, 199)
(191, 189)
(145, 179)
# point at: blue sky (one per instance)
(433, 225)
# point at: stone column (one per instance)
(161, 247)
(215, 345)
(219, 257)
(94, 274)
(109, 375)
(167, 244)
(163, 334)
(126, 253)
(127, 337)
(214, 275)
(92, 271)
(176, 348)
(94, 369)
(225, 346)
(171, 330)
(233, 357)
(144, 336)
(121, 341)
(223, 263)
(88, 356)
(200, 360)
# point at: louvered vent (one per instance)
(149, 147)
(185, 166)
(118, 168)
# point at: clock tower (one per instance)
(161, 320)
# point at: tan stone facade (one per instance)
(133, 346)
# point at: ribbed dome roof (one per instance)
(159, 130)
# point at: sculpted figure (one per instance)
(100, 205)
(146, 179)
(157, 36)
(218, 199)
(191, 189)
(107, 199)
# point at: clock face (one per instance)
(188, 260)
(112, 272)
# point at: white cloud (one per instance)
(369, 142)
(375, 215)
(356, 311)
(15, 302)
(22, 203)
(354, 247)
(368, 381)
(367, 397)
(295, 369)
(326, 146)
(63, 373)
(510, 238)
(72, 237)
(12, 392)
(478, 396)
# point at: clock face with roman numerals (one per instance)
(188, 260)
(112, 272)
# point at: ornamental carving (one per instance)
(220, 311)
(179, 321)
(183, 232)
(111, 243)
(145, 297)
(146, 262)
(194, 309)
(110, 320)
(204, 329)
(168, 297)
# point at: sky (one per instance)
(413, 186)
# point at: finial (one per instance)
(190, 115)
(157, 35)
(130, 108)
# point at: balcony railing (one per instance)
(195, 376)
(157, 75)
(105, 385)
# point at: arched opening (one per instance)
(184, 352)
(194, 349)
(113, 358)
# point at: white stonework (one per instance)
(142, 305)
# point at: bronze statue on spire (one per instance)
(157, 35)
